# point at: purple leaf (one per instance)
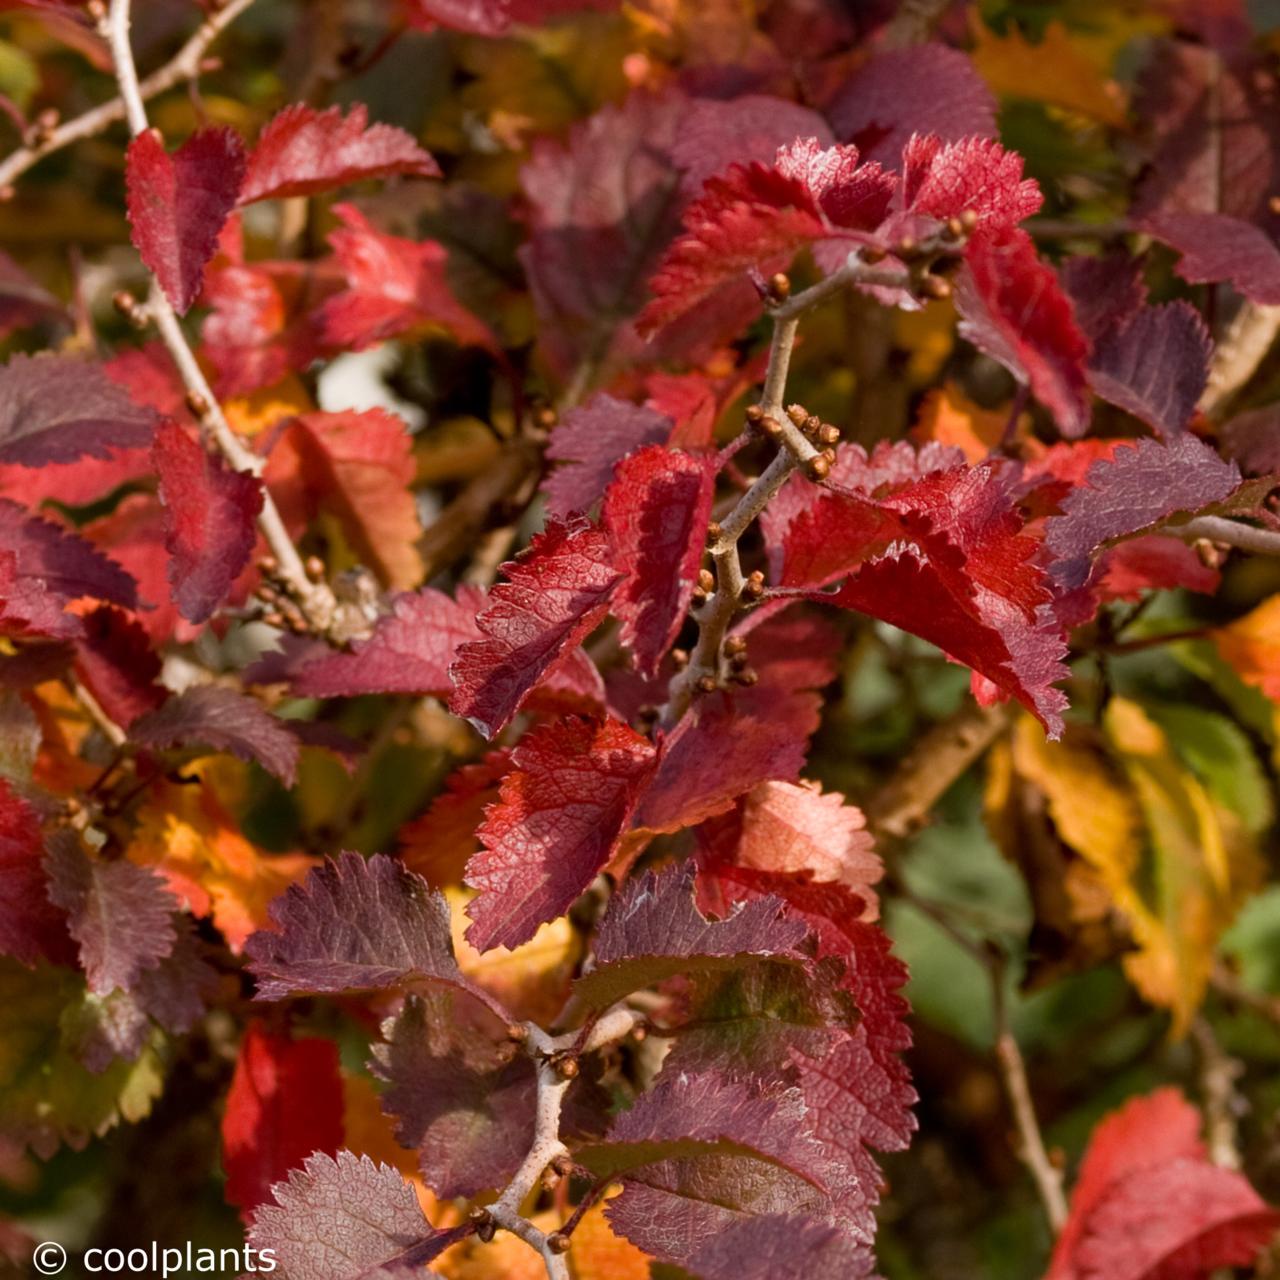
(462, 1101)
(1155, 366)
(409, 650)
(926, 89)
(589, 442)
(1215, 247)
(347, 1218)
(355, 925)
(58, 409)
(120, 914)
(211, 716)
(653, 930)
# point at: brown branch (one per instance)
(901, 806)
(315, 600)
(184, 65)
(1013, 1072)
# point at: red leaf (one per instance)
(1215, 247)
(409, 651)
(589, 441)
(926, 89)
(560, 813)
(114, 659)
(178, 204)
(755, 216)
(1014, 309)
(31, 927)
(656, 512)
(209, 715)
(210, 511)
(394, 286)
(302, 151)
(285, 1102)
(555, 595)
(59, 409)
(359, 467)
(1149, 1206)
(974, 174)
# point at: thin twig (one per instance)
(184, 65)
(1246, 537)
(314, 599)
(1013, 1072)
(1219, 1072)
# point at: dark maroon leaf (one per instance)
(210, 715)
(209, 517)
(114, 659)
(302, 151)
(179, 203)
(1215, 247)
(556, 593)
(31, 927)
(347, 1218)
(120, 914)
(58, 409)
(23, 301)
(560, 813)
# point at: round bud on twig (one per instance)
(753, 588)
(698, 598)
(872, 254)
(818, 467)
(748, 676)
(828, 434)
(124, 302)
(935, 287)
(969, 221)
(735, 645)
(545, 417)
(780, 286)
(906, 247)
(558, 1242)
(706, 580)
(198, 405)
(315, 568)
(754, 413)
(516, 1033)
(955, 229)
(567, 1067)
(771, 427)
(714, 531)
(680, 657)
(798, 414)
(706, 684)
(812, 425)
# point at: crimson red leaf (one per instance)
(929, 88)
(1014, 309)
(178, 204)
(976, 175)
(58, 409)
(120, 914)
(1215, 247)
(409, 650)
(656, 512)
(355, 925)
(1149, 1204)
(556, 593)
(210, 715)
(560, 813)
(302, 151)
(31, 927)
(758, 216)
(114, 659)
(465, 1103)
(589, 441)
(210, 510)
(347, 1218)
(653, 930)
(393, 286)
(285, 1102)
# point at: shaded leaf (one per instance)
(31, 927)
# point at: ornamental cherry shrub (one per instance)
(556, 556)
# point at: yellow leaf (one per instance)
(928, 335)
(185, 833)
(1251, 645)
(598, 1254)
(252, 414)
(533, 980)
(948, 416)
(1057, 72)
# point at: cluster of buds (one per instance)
(921, 257)
(740, 669)
(41, 130)
(279, 609)
(822, 435)
(134, 312)
(706, 586)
